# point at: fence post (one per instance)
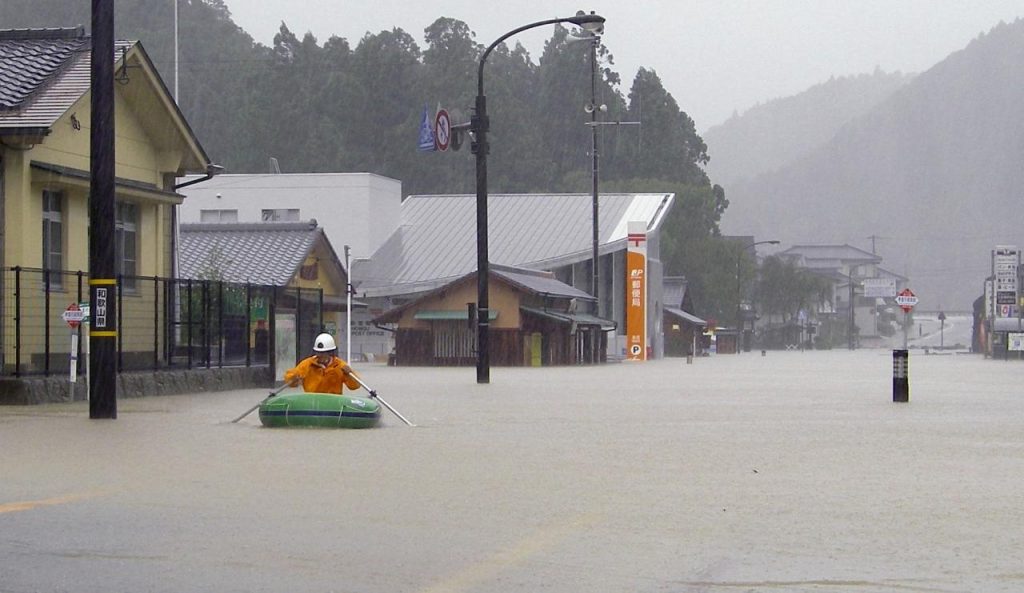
(248, 324)
(120, 322)
(206, 322)
(188, 346)
(156, 323)
(17, 321)
(79, 300)
(220, 324)
(272, 336)
(298, 322)
(46, 323)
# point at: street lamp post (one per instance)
(479, 125)
(739, 290)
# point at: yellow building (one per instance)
(44, 183)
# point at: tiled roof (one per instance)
(261, 253)
(42, 73)
(437, 239)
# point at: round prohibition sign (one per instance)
(442, 130)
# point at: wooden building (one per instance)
(535, 320)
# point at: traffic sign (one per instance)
(442, 130)
(906, 300)
(73, 315)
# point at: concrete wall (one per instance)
(48, 390)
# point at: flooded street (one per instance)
(789, 472)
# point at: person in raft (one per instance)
(323, 372)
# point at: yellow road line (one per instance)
(28, 505)
(545, 538)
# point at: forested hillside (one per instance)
(932, 176)
(355, 105)
(780, 131)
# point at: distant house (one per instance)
(296, 257)
(436, 244)
(45, 119)
(684, 331)
(535, 321)
(847, 310)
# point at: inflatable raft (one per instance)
(319, 410)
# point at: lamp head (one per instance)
(593, 23)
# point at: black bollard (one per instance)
(900, 375)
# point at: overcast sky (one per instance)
(714, 56)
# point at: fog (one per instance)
(714, 57)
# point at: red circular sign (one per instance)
(442, 130)
(73, 315)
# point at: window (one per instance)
(126, 244)
(281, 215)
(53, 237)
(218, 216)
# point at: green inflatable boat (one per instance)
(319, 410)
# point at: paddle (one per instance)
(254, 408)
(373, 395)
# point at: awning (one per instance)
(460, 315)
(571, 318)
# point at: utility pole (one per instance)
(102, 278)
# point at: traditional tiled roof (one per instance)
(43, 72)
(437, 240)
(31, 58)
(261, 253)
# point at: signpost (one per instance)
(906, 299)
(73, 315)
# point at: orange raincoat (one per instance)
(322, 379)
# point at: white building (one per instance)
(360, 210)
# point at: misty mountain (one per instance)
(773, 134)
(931, 176)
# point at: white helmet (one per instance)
(324, 343)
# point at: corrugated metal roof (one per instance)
(673, 290)
(543, 285)
(685, 316)
(437, 240)
(263, 253)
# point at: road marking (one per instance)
(28, 505)
(544, 538)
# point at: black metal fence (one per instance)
(162, 322)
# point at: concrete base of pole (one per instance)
(900, 376)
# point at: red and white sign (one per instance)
(442, 130)
(906, 300)
(73, 315)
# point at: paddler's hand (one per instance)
(347, 370)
